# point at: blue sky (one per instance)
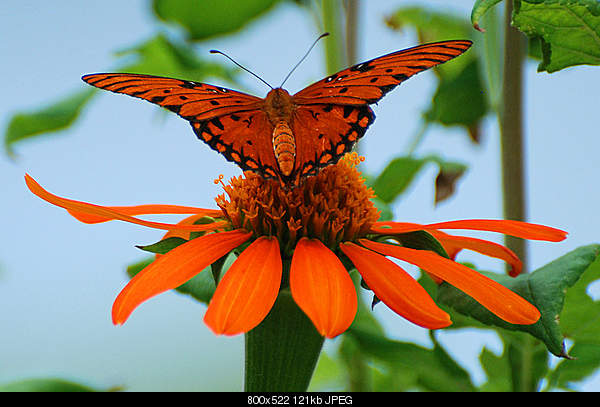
(58, 277)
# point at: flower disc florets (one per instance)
(333, 206)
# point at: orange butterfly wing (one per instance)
(232, 123)
(327, 119)
(332, 114)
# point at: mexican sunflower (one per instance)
(306, 239)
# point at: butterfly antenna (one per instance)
(303, 58)
(214, 51)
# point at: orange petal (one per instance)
(515, 228)
(454, 244)
(248, 290)
(102, 212)
(396, 288)
(146, 210)
(493, 296)
(175, 268)
(322, 287)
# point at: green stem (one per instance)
(511, 128)
(513, 178)
(282, 352)
(334, 58)
(352, 24)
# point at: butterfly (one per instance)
(282, 136)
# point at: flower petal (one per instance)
(396, 288)
(454, 244)
(248, 290)
(515, 228)
(102, 212)
(322, 287)
(175, 268)
(146, 210)
(493, 296)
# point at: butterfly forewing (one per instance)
(230, 122)
(368, 82)
(191, 100)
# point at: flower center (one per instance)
(332, 206)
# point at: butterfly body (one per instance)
(282, 136)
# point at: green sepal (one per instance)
(163, 246)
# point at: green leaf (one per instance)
(209, 18)
(580, 323)
(461, 97)
(545, 288)
(459, 100)
(201, 287)
(400, 172)
(57, 116)
(45, 386)
(432, 25)
(433, 369)
(569, 30)
(157, 56)
(479, 9)
(420, 240)
(586, 359)
(396, 177)
(497, 370)
(327, 376)
(164, 57)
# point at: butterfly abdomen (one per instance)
(284, 147)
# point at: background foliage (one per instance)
(430, 125)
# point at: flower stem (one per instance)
(282, 352)
(513, 177)
(511, 128)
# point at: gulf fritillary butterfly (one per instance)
(283, 136)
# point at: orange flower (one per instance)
(300, 240)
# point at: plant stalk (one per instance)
(513, 164)
(282, 352)
(511, 128)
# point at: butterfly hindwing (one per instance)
(244, 138)
(324, 133)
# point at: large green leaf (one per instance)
(569, 30)
(545, 288)
(57, 116)
(209, 18)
